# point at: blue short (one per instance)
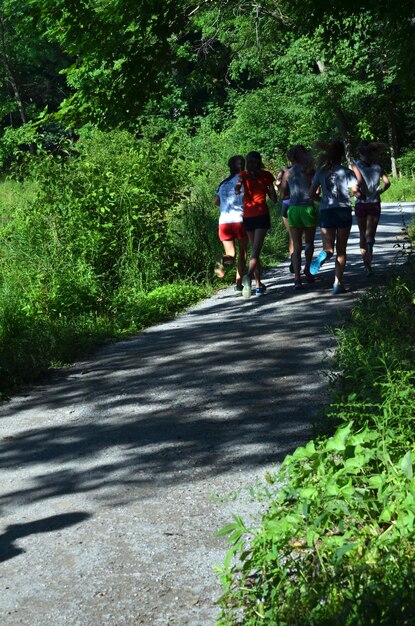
(254, 223)
(336, 217)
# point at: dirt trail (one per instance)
(117, 472)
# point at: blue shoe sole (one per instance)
(318, 262)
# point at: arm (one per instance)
(238, 186)
(272, 193)
(386, 182)
(280, 176)
(314, 192)
(283, 186)
(357, 189)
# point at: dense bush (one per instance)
(335, 546)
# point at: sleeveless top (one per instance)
(371, 175)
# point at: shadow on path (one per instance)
(45, 525)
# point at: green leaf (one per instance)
(406, 465)
(342, 550)
(337, 443)
(376, 481)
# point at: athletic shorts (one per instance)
(363, 209)
(301, 216)
(254, 223)
(284, 207)
(229, 232)
(336, 217)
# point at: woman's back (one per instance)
(299, 185)
(371, 174)
(335, 183)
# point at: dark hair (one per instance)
(236, 164)
(371, 150)
(329, 154)
(303, 157)
(255, 156)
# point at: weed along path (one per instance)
(117, 472)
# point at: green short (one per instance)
(301, 216)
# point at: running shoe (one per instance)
(298, 285)
(309, 277)
(338, 289)
(260, 291)
(318, 262)
(237, 289)
(291, 268)
(246, 286)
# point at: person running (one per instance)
(367, 207)
(334, 180)
(285, 203)
(257, 183)
(301, 212)
(231, 226)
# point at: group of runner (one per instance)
(303, 185)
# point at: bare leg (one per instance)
(256, 238)
(290, 242)
(227, 259)
(297, 238)
(362, 224)
(371, 227)
(243, 247)
(341, 244)
(309, 234)
(328, 235)
(229, 247)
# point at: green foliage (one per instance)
(371, 346)
(401, 190)
(106, 203)
(335, 546)
(134, 310)
(14, 144)
(85, 246)
(406, 162)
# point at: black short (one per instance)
(254, 223)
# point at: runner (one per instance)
(257, 183)
(334, 180)
(285, 203)
(301, 212)
(367, 207)
(231, 226)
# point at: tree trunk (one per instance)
(392, 139)
(341, 118)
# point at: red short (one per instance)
(229, 232)
(363, 209)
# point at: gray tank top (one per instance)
(299, 186)
(371, 175)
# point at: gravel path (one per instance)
(117, 472)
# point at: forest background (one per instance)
(117, 119)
